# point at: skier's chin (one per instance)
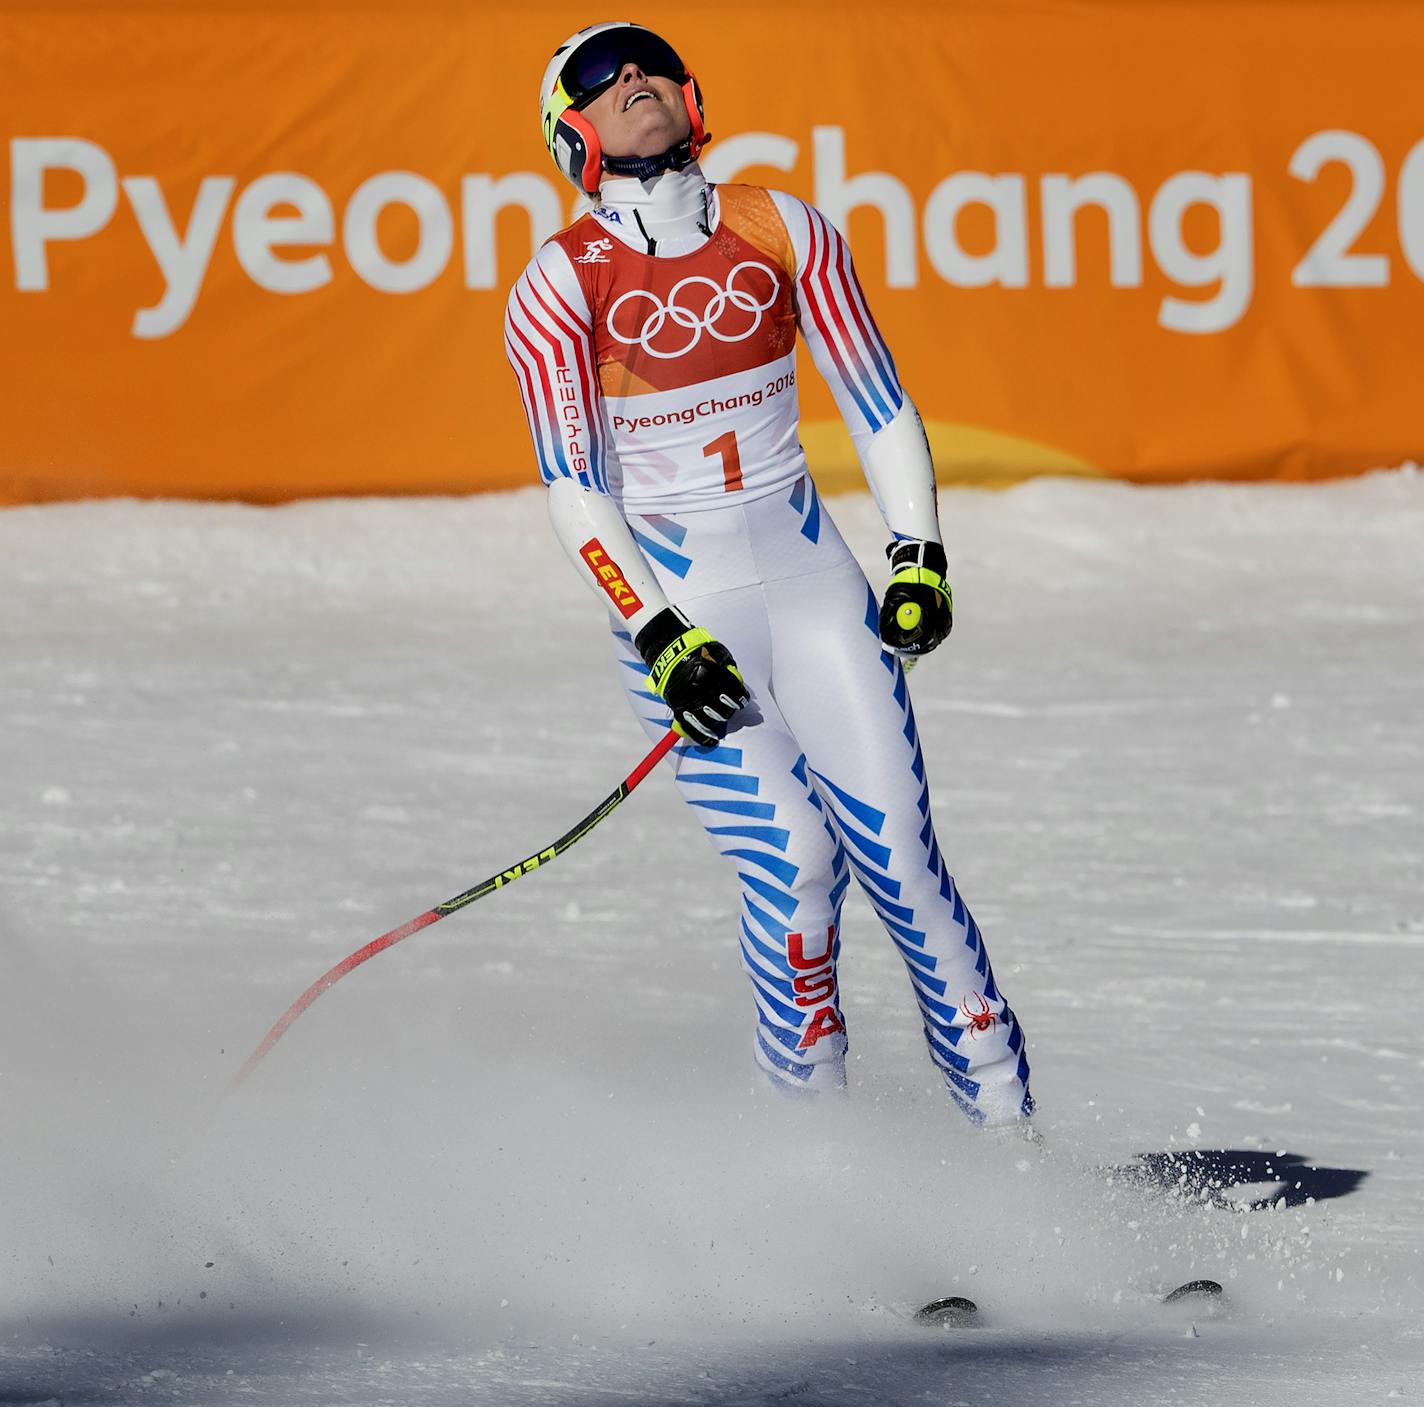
(653, 132)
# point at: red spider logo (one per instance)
(979, 1020)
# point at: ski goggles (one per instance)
(596, 63)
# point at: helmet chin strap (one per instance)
(644, 168)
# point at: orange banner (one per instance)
(262, 250)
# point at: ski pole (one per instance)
(450, 906)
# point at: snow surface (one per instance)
(524, 1157)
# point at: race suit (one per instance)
(661, 394)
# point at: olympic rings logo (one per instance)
(708, 321)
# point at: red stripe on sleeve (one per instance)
(866, 325)
(815, 291)
(553, 443)
(583, 355)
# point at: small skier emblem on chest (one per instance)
(595, 251)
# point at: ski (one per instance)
(952, 1313)
(956, 1312)
(1194, 1290)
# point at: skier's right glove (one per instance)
(693, 674)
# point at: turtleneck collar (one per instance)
(670, 209)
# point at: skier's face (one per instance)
(639, 114)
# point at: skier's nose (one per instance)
(631, 74)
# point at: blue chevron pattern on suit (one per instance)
(790, 903)
(651, 710)
(821, 778)
(806, 504)
(951, 1019)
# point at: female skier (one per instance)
(654, 345)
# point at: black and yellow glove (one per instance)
(918, 610)
(693, 674)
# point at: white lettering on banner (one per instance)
(182, 260)
(1062, 198)
(728, 159)
(256, 232)
(1230, 264)
(363, 249)
(259, 231)
(1411, 208)
(32, 224)
(1007, 264)
(483, 197)
(836, 197)
(1329, 264)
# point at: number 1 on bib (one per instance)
(726, 446)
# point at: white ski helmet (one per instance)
(583, 66)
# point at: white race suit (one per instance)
(659, 378)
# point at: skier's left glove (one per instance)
(918, 611)
(693, 674)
